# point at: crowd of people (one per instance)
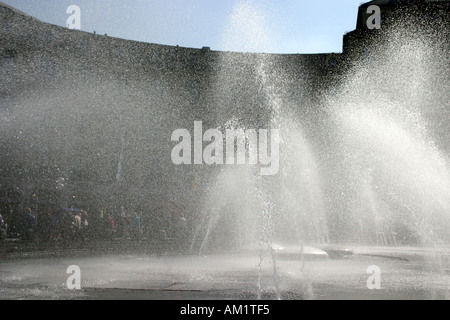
(72, 224)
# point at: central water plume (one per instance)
(241, 208)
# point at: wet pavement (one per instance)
(404, 273)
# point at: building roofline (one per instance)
(203, 49)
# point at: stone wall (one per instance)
(73, 104)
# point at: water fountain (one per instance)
(384, 174)
(362, 161)
(289, 206)
(383, 181)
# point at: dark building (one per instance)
(407, 16)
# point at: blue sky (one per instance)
(277, 26)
